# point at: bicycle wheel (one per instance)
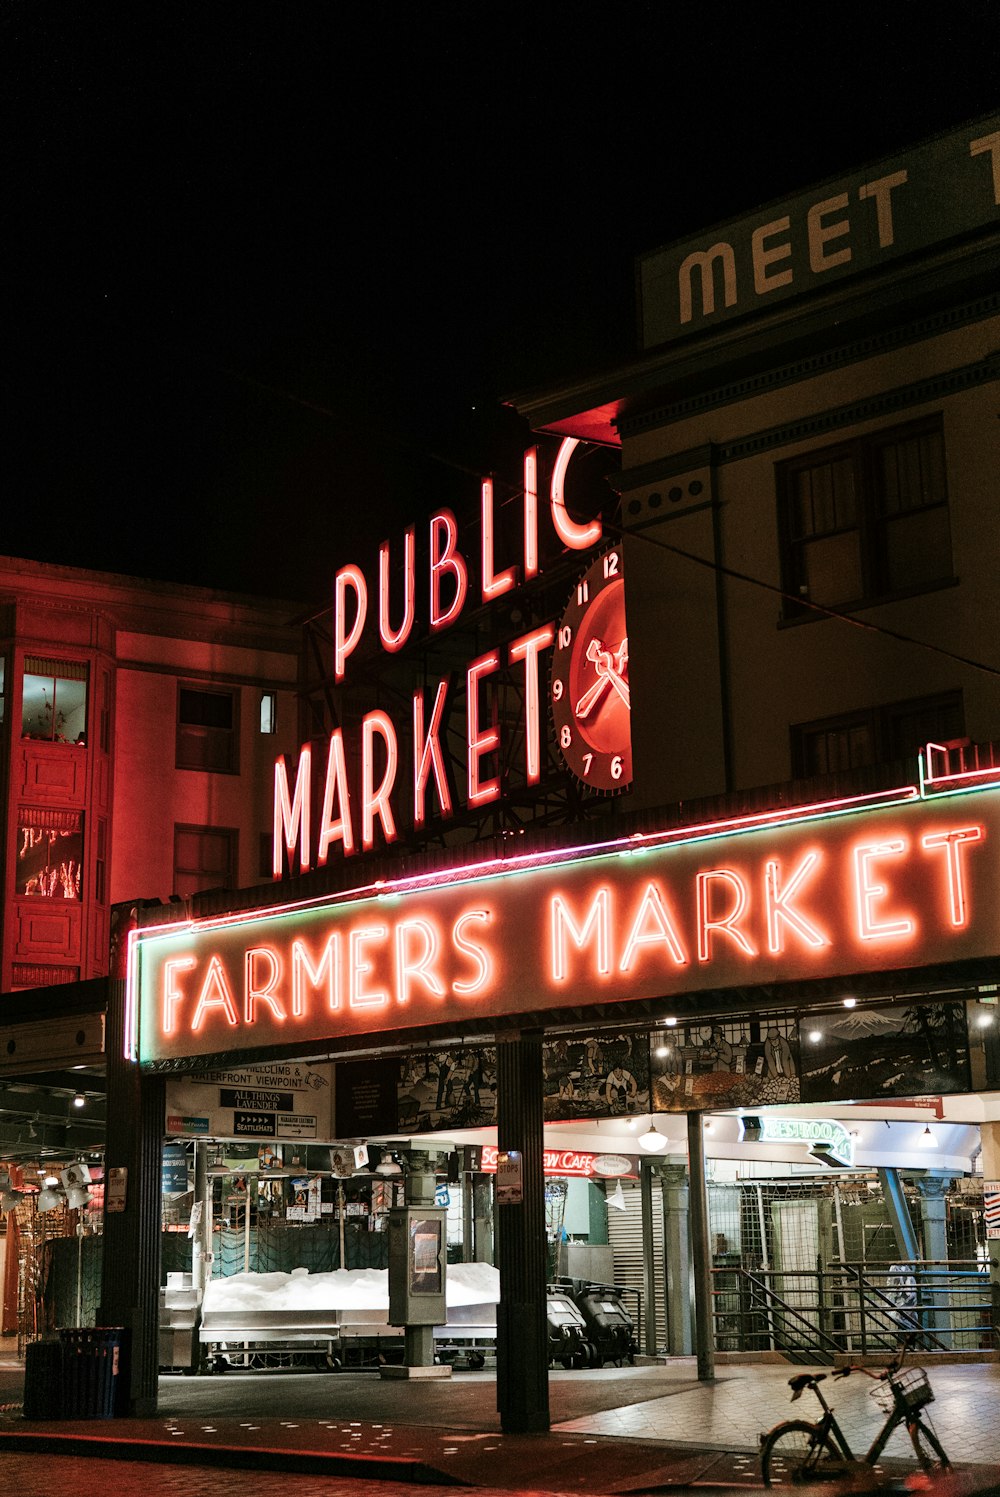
(796, 1453)
(928, 1447)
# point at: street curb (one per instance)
(236, 1457)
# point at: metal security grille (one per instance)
(625, 1237)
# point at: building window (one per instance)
(204, 858)
(54, 700)
(875, 735)
(207, 729)
(49, 854)
(865, 519)
(269, 712)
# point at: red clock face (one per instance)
(589, 692)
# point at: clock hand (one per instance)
(604, 663)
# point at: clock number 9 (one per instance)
(557, 690)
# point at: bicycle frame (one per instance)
(827, 1425)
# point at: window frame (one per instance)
(232, 837)
(871, 524)
(187, 732)
(881, 720)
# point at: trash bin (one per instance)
(43, 1380)
(92, 1363)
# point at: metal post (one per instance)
(701, 1250)
(522, 1331)
(649, 1267)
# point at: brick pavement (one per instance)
(614, 1431)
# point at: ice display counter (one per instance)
(338, 1319)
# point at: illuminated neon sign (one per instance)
(357, 815)
(575, 1164)
(816, 1133)
(826, 891)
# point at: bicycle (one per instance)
(796, 1452)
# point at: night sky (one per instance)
(268, 271)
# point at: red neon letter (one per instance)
(598, 920)
(476, 953)
(336, 790)
(428, 755)
(376, 802)
(446, 558)
(358, 998)
(254, 993)
(531, 513)
(662, 930)
(867, 892)
(576, 537)
(171, 995)
(304, 971)
(779, 904)
(494, 583)
(344, 639)
(215, 993)
(485, 742)
(952, 842)
(395, 639)
(416, 968)
(291, 816)
(527, 648)
(723, 923)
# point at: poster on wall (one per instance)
(725, 1063)
(365, 1097)
(601, 1074)
(448, 1089)
(865, 1053)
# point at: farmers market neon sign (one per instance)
(834, 889)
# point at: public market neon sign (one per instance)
(353, 817)
(832, 890)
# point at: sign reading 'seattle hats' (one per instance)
(929, 195)
(907, 879)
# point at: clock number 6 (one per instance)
(617, 767)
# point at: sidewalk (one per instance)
(617, 1430)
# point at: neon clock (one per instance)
(589, 690)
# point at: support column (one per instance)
(701, 1250)
(933, 1215)
(676, 1255)
(130, 1273)
(522, 1329)
(990, 1136)
(646, 1171)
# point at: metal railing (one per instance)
(853, 1308)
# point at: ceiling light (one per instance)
(850, 1002)
(671, 1023)
(9, 1199)
(48, 1199)
(653, 1142)
(709, 1125)
(662, 1050)
(77, 1198)
(984, 1019)
(927, 1140)
(815, 1035)
(79, 1100)
(50, 1182)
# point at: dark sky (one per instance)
(267, 270)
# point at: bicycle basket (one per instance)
(909, 1386)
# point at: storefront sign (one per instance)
(302, 1126)
(929, 195)
(822, 1133)
(573, 1163)
(846, 887)
(253, 1124)
(366, 787)
(267, 1101)
(179, 1124)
